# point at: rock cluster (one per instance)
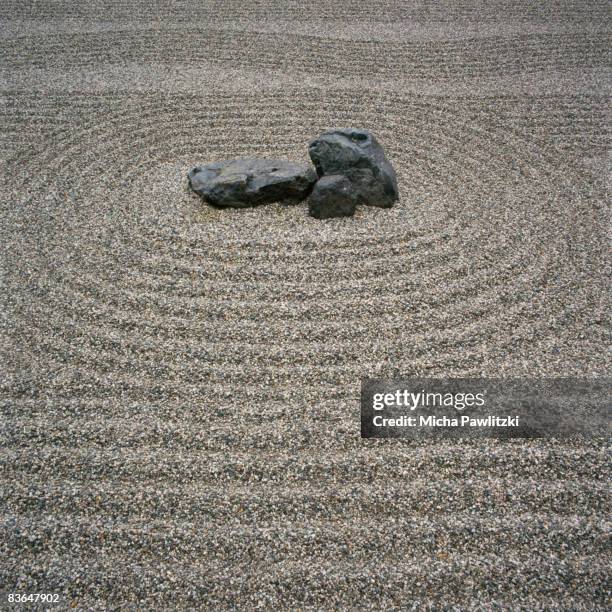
(351, 169)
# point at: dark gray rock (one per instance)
(357, 155)
(250, 182)
(332, 196)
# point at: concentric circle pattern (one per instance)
(181, 390)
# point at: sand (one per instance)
(180, 385)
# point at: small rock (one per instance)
(332, 196)
(357, 155)
(250, 182)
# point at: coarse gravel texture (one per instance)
(180, 385)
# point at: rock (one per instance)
(332, 196)
(357, 155)
(249, 182)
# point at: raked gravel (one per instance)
(180, 385)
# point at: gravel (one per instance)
(180, 389)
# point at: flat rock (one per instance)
(357, 155)
(332, 196)
(249, 182)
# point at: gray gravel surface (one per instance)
(180, 385)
